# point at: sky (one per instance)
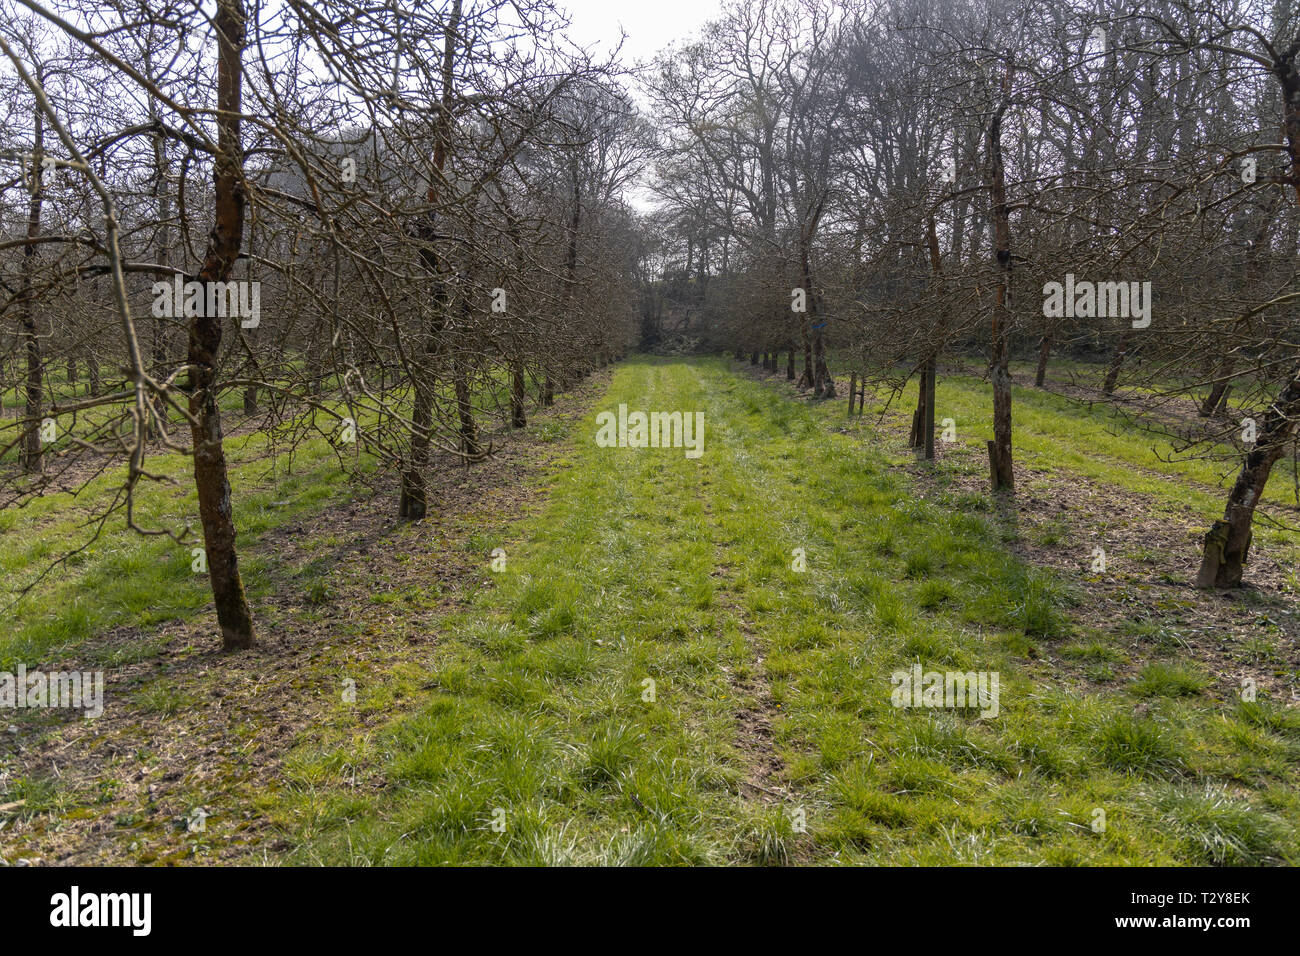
(650, 25)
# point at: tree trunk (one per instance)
(464, 406)
(158, 347)
(922, 436)
(210, 472)
(413, 503)
(1227, 544)
(1002, 473)
(1222, 410)
(1222, 377)
(571, 261)
(930, 367)
(823, 384)
(30, 457)
(465, 412)
(1117, 360)
(806, 376)
(1044, 351)
(518, 418)
(918, 413)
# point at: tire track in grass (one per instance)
(761, 765)
(537, 702)
(755, 706)
(765, 768)
(757, 710)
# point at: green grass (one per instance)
(125, 579)
(1161, 679)
(122, 579)
(537, 740)
(1056, 434)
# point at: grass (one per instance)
(125, 580)
(689, 661)
(121, 579)
(1056, 434)
(592, 705)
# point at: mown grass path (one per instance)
(651, 680)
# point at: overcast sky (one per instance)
(650, 25)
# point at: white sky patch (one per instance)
(650, 25)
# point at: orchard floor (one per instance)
(692, 660)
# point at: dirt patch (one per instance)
(1142, 596)
(763, 766)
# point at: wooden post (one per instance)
(921, 415)
(928, 424)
